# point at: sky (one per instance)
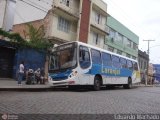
(140, 16)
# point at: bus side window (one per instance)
(123, 62)
(135, 65)
(96, 56)
(129, 65)
(84, 57)
(115, 61)
(106, 58)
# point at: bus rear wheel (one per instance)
(129, 85)
(97, 84)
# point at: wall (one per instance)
(68, 36)
(85, 19)
(33, 59)
(117, 26)
(2, 11)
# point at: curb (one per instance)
(27, 89)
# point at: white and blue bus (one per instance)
(78, 64)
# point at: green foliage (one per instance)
(37, 38)
(15, 37)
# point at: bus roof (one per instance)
(100, 49)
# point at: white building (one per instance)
(7, 11)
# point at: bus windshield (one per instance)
(64, 57)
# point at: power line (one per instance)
(126, 16)
(34, 6)
(37, 5)
(44, 1)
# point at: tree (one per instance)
(37, 37)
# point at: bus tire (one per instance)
(129, 85)
(97, 84)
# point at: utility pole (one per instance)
(146, 80)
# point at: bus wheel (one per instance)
(97, 84)
(129, 85)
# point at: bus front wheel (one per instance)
(129, 85)
(97, 84)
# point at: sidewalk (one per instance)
(8, 84)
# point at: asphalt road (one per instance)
(139, 100)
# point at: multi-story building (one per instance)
(7, 11)
(121, 40)
(74, 20)
(143, 60)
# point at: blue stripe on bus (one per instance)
(60, 75)
(109, 71)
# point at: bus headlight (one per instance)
(74, 73)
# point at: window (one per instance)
(119, 52)
(84, 57)
(119, 38)
(135, 65)
(110, 48)
(128, 43)
(134, 57)
(128, 55)
(129, 64)
(106, 58)
(96, 39)
(115, 61)
(63, 24)
(112, 33)
(65, 2)
(145, 65)
(135, 46)
(96, 56)
(123, 62)
(98, 18)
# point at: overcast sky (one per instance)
(141, 16)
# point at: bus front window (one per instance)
(63, 59)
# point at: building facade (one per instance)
(143, 60)
(7, 11)
(121, 40)
(156, 73)
(86, 21)
(73, 20)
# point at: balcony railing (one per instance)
(68, 9)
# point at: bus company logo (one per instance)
(4, 116)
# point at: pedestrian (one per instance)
(42, 76)
(20, 73)
(38, 75)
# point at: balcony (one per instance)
(100, 6)
(61, 7)
(100, 27)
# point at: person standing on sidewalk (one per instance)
(20, 73)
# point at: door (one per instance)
(6, 62)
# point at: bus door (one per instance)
(85, 64)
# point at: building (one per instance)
(143, 60)
(7, 11)
(156, 73)
(121, 40)
(150, 73)
(83, 20)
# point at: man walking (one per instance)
(20, 73)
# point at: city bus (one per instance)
(75, 64)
